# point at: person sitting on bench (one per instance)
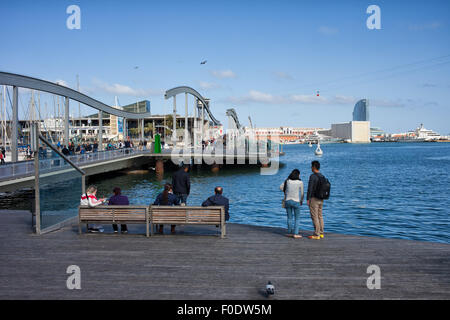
(90, 199)
(167, 198)
(218, 200)
(119, 200)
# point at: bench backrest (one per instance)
(186, 215)
(104, 213)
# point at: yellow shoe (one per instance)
(321, 236)
(314, 237)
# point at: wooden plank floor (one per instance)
(193, 266)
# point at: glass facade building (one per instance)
(361, 110)
(138, 107)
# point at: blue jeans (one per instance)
(293, 211)
(182, 197)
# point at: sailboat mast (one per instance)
(79, 107)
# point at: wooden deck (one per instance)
(202, 266)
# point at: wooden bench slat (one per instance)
(156, 215)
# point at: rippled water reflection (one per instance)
(381, 189)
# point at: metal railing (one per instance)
(22, 169)
(26, 168)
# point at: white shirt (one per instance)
(294, 190)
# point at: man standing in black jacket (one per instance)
(181, 183)
(218, 200)
(315, 204)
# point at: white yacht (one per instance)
(426, 134)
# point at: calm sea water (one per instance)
(394, 190)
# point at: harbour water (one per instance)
(393, 190)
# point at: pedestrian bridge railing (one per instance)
(26, 168)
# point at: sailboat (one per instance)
(318, 151)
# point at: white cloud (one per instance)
(120, 89)
(329, 31)
(389, 103)
(283, 75)
(209, 85)
(254, 96)
(62, 83)
(223, 74)
(426, 26)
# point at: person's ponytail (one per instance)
(165, 197)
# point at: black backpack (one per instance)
(323, 188)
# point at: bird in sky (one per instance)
(204, 62)
(136, 67)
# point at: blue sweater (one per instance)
(118, 200)
(171, 200)
(218, 200)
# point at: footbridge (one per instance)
(21, 174)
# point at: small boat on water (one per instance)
(310, 144)
(318, 151)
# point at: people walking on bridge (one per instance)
(292, 188)
(182, 184)
(318, 190)
(119, 200)
(90, 199)
(65, 151)
(218, 200)
(127, 145)
(167, 198)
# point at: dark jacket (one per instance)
(118, 200)
(171, 200)
(312, 185)
(181, 182)
(218, 200)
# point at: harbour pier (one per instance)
(196, 264)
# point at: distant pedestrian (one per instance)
(2, 158)
(218, 200)
(166, 198)
(65, 151)
(182, 184)
(292, 188)
(318, 190)
(119, 200)
(127, 145)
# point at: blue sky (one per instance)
(266, 59)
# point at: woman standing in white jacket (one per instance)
(293, 199)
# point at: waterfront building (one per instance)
(285, 134)
(361, 110)
(353, 131)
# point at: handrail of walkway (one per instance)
(21, 81)
(61, 155)
(15, 170)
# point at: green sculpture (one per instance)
(157, 143)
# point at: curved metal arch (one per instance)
(12, 79)
(232, 113)
(184, 89)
